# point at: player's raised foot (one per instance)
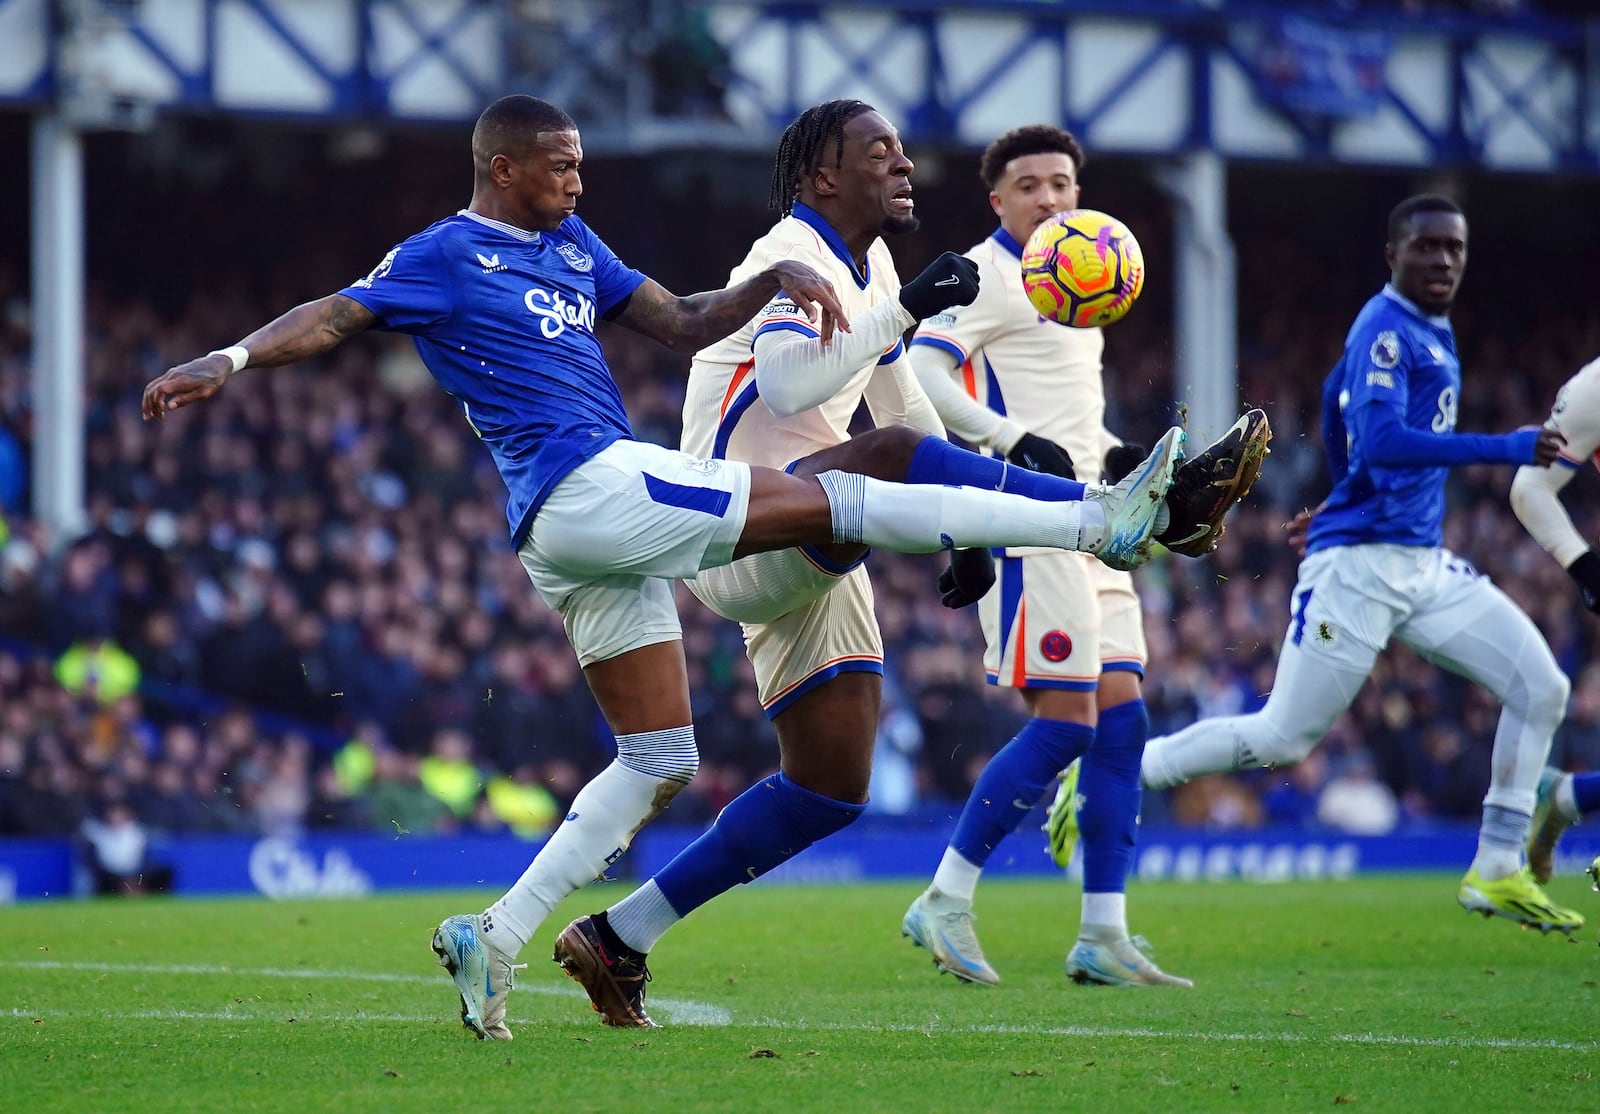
(1115, 959)
(1209, 484)
(483, 974)
(943, 925)
(1516, 897)
(612, 974)
(1132, 506)
(1062, 823)
(1549, 824)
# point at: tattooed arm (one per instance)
(305, 331)
(689, 324)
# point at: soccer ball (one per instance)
(1082, 268)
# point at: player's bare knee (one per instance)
(883, 454)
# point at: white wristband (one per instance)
(237, 353)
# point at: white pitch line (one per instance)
(683, 1011)
(1095, 1032)
(690, 1012)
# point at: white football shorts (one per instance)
(1058, 620)
(618, 528)
(1351, 599)
(804, 619)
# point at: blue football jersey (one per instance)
(1398, 357)
(504, 319)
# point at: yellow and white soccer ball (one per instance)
(1082, 268)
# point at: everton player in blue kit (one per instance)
(501, 300)
(1375, 568)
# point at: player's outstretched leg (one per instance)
(613, 974)
(1516, 897)
(1208, 485)
(482, 972)
(943, 925)
(1134, 507)
(1105, 958)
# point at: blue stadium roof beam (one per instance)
(114, 63)
(1285, 82)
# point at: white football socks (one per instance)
(601, 823)
(1105, 912)
(956, 877)
(643, 917)
(925, 518)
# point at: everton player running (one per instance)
(1375, 568)
(502, 299)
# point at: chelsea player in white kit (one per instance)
(1563, 799)
(1375, 569)
(1065, 632)
(502, 300)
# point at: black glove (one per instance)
(968, 579)
(1586, 571)
(950, 280)
(1122, 459)
(1037, 454)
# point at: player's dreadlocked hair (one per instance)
(802, 147)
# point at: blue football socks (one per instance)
(937, 461)
(766, 825)
(1108, 785)
(1014, 780)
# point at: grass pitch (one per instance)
(1377, 993)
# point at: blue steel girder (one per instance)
(337, 60)
(1481, 117)
(1505, 93)
(436, 45)
(1147, 77)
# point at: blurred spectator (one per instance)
(449, 773)
(117, 853)
(1355, 801)
(521, 804)
(1221, 803)
(397, 802)
(98, 668)
(1292, 798)
(1452, 777)
(333, 807)
(1577, 742)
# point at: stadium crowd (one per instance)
(296, 607)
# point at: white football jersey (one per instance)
(1576, 416)
(1044, 376)
(723, 415)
